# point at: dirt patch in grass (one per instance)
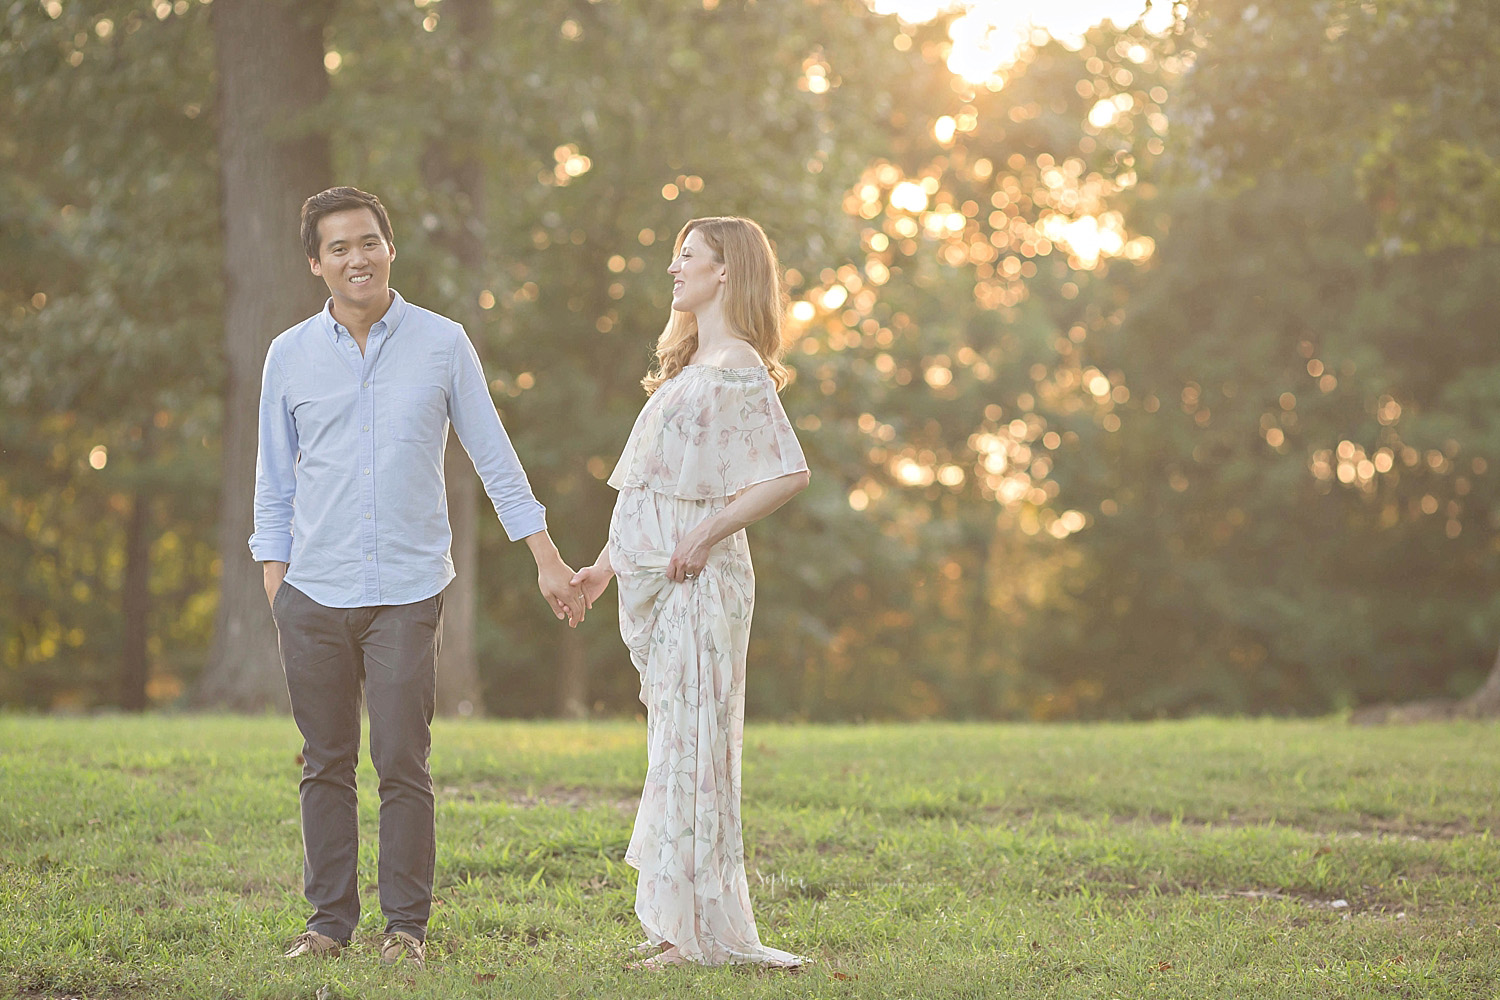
(1372, 827)
(1368, 901)
(547, 797)
(573, 798)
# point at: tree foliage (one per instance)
(1305, 511)
(1153, 375)
(108, 287)
(1402, 95)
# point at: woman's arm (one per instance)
(752, 504)
(593, 579)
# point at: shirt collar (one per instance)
(387, 323)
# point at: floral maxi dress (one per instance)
(703, 436)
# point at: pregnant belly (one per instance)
(648, 525)
(644, 531)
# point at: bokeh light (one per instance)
(988, 35)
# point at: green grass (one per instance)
(160, 857)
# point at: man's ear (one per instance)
(314, 266)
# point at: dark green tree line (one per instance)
(1305, 504)
(1151, 376)
(109, 291)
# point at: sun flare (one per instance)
(988, 35)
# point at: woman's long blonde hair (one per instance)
(754, 299)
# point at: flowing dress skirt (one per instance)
(688, 640)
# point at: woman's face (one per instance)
(696, 277)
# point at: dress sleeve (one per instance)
(710, 434)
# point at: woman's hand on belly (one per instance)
(752, 504)
(691, 554)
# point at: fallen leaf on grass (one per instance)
(484, 977)
(843, 975)
(1399, 960)
(1163, 966)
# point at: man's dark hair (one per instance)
(340, 199)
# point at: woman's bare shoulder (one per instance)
(735, 356)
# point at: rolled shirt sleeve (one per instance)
(477, 423)
(275, 469)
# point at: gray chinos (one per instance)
(329, 654)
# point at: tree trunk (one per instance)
(458, 691)
(271, 77)
(1486, 701)
(983, 700)
(135, 605)
(573, 676)
(458, 177)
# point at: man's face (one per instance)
(354, 260)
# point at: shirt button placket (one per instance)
(367, 486)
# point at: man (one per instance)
(351, 525)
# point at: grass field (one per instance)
(160, 857)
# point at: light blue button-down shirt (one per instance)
(349, 477)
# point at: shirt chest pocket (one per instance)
(415, 413)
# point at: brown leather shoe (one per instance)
(315, 944)
(398, 945)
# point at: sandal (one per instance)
(664, 959)
(647, 948)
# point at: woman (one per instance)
(711, 452)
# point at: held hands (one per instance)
(592, 580)
(555, 581)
